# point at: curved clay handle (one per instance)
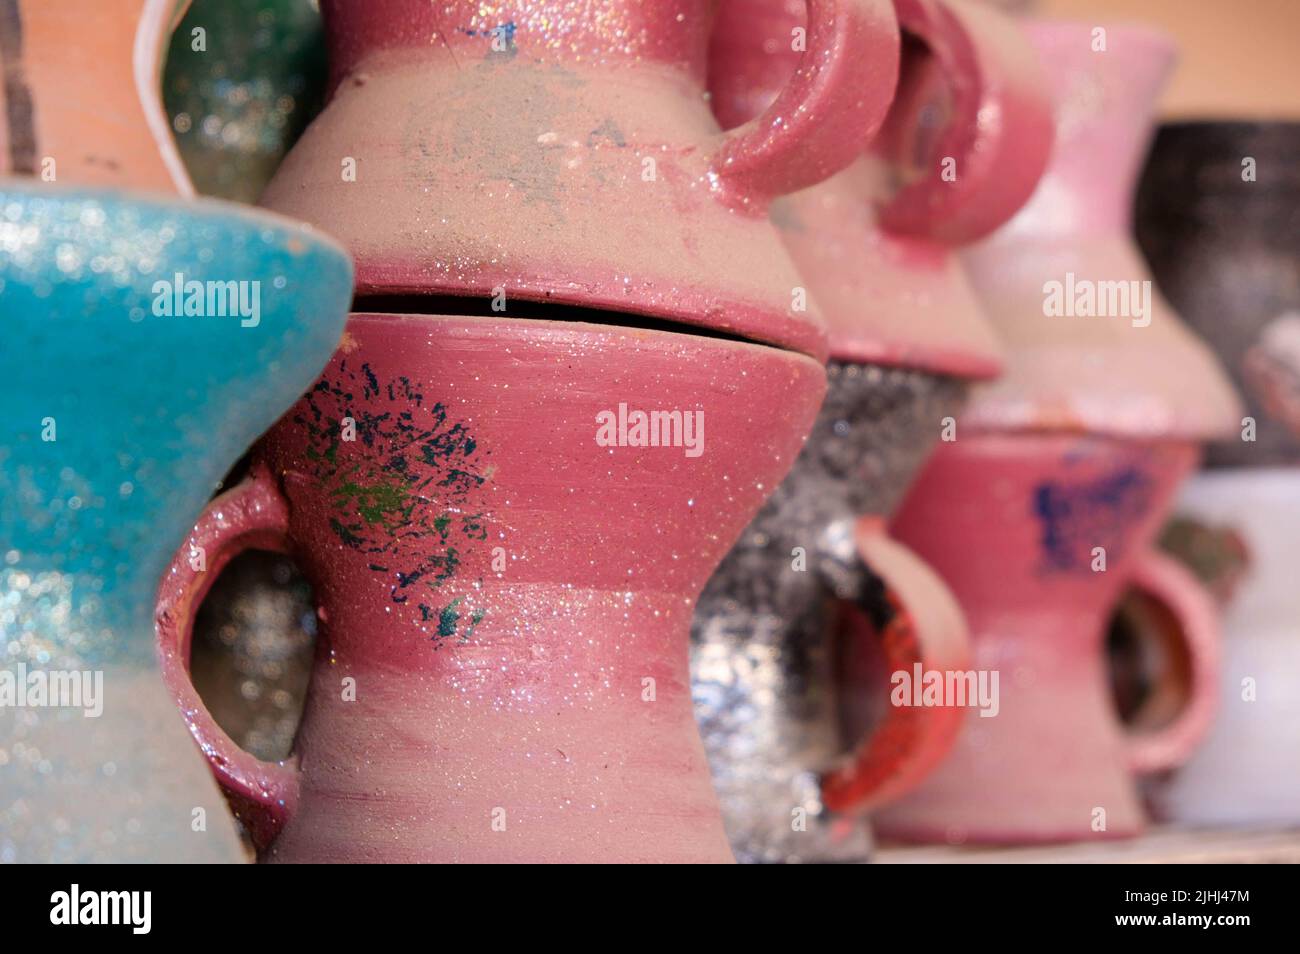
(253, 514)
(828, 111)
(998, 132)
(1169, 583)
(926, 626)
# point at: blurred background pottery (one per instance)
(121, 415)
(1218, 216)
(239, 92)
(1046, 505)
(81, 99)
(487, 688)
(1131, 373)
(875, 248)
(1240, 530)
(1013, 523)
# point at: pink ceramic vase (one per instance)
(505, 560)
(81, 101)
(1045, 506)
(1039, 536)
(501, 673)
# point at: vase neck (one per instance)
(561, 32)
(1104, 89)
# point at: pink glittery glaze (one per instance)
(568, 155)
(876, 243)
(1129, 375)
(571, 605)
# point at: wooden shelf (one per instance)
(1160, 846)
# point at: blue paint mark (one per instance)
(1075, 518)
(506, 32)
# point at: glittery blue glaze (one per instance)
(146, 411)
(118, 420)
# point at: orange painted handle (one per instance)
(923, 624)
(1171, 584)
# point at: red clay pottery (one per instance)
(875, 247)
(563, 151)
(1044, 509)
(507, 557)
(81, 101)
(1013, 523)
(501, 672)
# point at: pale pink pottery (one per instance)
(1139, 375)
(501, 671)
(509, 580)
(1043, 510)
(81, 101)
(961, 150)
(563, 151)
(875, 247)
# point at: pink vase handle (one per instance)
(253, 514)
(960, 179)
(826, 114)
(927, 627)
(1169, 583)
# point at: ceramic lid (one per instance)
(961, 149)
(1091, 344)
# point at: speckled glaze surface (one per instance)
(81, 99)
(118, 423)
(511, 598)
(1248, 770)
(962, 147)
(237, 104)
(1011, 523)
(1108, 369)
(1218, 217)
(763, 651)
(563, 151)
